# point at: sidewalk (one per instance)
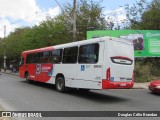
(136, 85)
(10, 72)
(141, 85)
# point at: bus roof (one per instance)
(39, 50)
(89, 41)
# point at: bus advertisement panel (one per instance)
(146, 42)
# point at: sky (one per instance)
(22, 13)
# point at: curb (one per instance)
(139, 88)
(141, 85)
(9, 72)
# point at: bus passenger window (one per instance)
(45, 58)
(37, 57)
(88, 53)
(30, 58)
(56, 56)
(70, 55)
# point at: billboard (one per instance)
(146, 42)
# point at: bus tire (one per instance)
(27, 78)
(60, 84)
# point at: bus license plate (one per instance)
(122, 85)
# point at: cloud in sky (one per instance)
(18, 9)
(10, 26)
(20, 13)
(26, 11)
(116, 16)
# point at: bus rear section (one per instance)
(118, 64)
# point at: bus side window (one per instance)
(56, 56)
(29, 58)
(32, 58)
(70, 55)
(88, 53)
(38, 57)
(46, 57)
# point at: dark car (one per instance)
(154, 86)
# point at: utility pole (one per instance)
(74, 22)
(74, 19)
(5, 48)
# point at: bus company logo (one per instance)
(82, 67)
(38, 68)
(6, 114)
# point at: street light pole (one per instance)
(4, 48)
(74, 21)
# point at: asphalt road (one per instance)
(16, 94)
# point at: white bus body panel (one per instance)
(90, 76)
(116, 47)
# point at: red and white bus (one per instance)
(100, 63)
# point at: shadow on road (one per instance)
(99, 96)
(154, 93)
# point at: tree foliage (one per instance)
(135, 12)
(144, 15)
(56, 30)
(89, 16)
(151, 17)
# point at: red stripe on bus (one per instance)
(116, 85)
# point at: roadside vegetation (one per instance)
(142, 15)
(147, 69)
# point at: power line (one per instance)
(59, 5)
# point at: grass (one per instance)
(146, 71)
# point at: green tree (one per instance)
(135, 12)
(15, 43)
(144, 15)
(89, 15)
(151, 18)
(56, 30)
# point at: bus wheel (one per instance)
(27, 78)
(60, 84)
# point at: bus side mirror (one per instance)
(20, 63)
